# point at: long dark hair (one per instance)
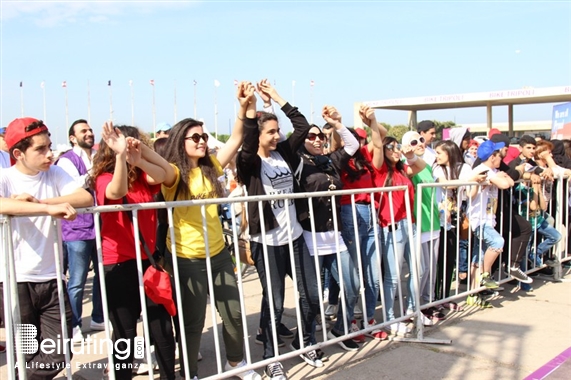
(360, 164)
(104, 159)
(399, 165)
(175, 153)
(455, 160)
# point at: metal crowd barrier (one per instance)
(11, 301)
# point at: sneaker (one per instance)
(375, 334)
(550, 262)
(519, 275)
(331, 312)
(309, 357)
(284, 332)
(199, 357)
(399, 329)
(354, 328)
(143, 367)
(434, 314)
(321, 355)
(357, 312)
(2, 348)
(535, 259)
(260, 339)
(77, 336)
(476, 300)
(347, 345)
(97, 326)
(275, 371)
(326, 294)
(246, 375)
(426, 321)
(488, 281)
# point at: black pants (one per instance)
(445, 265)
(521, 232)
(39, 306)
(123, 301)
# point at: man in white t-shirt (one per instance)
(482, 211)
(34, 186)
(427, 130)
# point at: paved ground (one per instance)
(520, 335)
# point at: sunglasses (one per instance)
(313, 136)
(415, 142)
(34, 125)
(393, 146)
(196, 137)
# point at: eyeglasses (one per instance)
(313, 136)
(196, 137)
(415, 141)
(392, 146)
(35, 125)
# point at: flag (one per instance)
(312, 83)
(235, 82)
(20, 84)
(195, 82)
(152, 82)
(42, 84)
(293, 83)
(64, 84)
(216, 83)
(108, 83)
(130, 83)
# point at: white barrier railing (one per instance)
(11, 302)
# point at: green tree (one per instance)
(222, 138)
(398, 131)
(440, 125)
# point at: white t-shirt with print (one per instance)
(278, 179)
(34, 238)
(482, 209)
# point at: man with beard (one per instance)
(79, 236)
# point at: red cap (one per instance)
(22, 128)
(493, 131)
(361, 132)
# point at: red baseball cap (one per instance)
(361, 132)
(22, 128)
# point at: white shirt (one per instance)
(35, 237)
(482, 209)
(71, 169)
(278, 179)
(429, 156)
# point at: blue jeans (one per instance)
(79, 254)
(550, 237)
(491, 239)
(347, 261)
(463, 256)
(394, 251)
(368, 250)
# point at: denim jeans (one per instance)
(80, 254)
(280, 265)
(394, 251)
(550, 237)
(350, 276)
(365, 223)
(490, 239)
(463, 256)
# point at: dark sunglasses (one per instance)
(196, 137)
(415, 142)
(35, 125)
(392, 146)
(313, 136)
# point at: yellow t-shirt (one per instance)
(189, 237)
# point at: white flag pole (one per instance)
(311, 100)
(43, 85)
(154, 112)
(110, 101)
(132, 103)
(194, 99)
(88, 105)
(22, 98)
(293, 92)
(175, 102)
(216, 84)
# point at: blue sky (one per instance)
(353, 51)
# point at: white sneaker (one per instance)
(77, 335)
(399, 329)
(326, 294)
(97, 326)
(357, 312)
(199, 356)
(143, 367)
(246, 375)
(331, 312)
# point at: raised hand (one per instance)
(408, 151)
(246, 94)
(114, 138)
(266, 98)
(265, 88)
(134, 151)
(367, 114)
(331, 115)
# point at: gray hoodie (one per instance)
(456, 135)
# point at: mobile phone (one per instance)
(485, 171)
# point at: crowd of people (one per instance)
(362, 240)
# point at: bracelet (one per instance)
(239, 118)
(411, 161)
(267, 105)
